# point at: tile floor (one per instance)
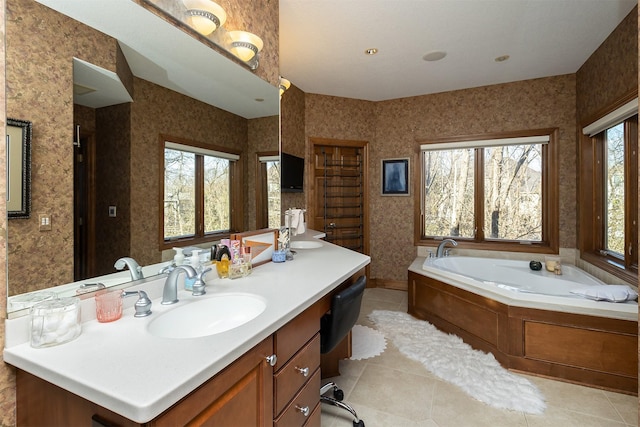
(392, 390)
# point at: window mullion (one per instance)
(631, 192)
(199, 195)
(479, 198)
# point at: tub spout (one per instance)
(442, 245)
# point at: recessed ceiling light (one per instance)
(436, 55)
(502, 58)
(371, 51)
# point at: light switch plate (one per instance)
(44, 222)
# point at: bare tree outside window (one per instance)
(511, 177)
(179, 193)
(614, 194)
(217, 205)
(273, 193)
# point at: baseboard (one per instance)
(398, 285)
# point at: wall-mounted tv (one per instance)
(291, 173)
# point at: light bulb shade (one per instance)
(245, 45)
(204, 16)
(284, 85)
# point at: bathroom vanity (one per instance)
(120, 374)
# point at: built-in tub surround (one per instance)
(133, 379)
(569, 338)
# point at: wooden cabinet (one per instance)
(297, 377)
(240, 395)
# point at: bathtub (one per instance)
(512, 282)
(528, 319)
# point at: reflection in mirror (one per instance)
(99, 183)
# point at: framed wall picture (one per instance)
(18, 140)
(395, 177)
(262, 243)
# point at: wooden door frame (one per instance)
(311, 196)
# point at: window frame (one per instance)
(262, 199)
(236, 198)
(592, 201)
(550, 196)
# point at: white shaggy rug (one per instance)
(449, 358)
(366, 343)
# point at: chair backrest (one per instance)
(345, 309)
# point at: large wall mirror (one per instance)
(99, 89)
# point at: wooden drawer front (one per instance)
(583, 348)
(309, 397)
(315, 419)
(289, 380)
(292, 336)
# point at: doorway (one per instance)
(339, 194)
(84, 205)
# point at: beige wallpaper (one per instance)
(263, 136)
(393, 127)
(617, 59)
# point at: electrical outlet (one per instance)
(44, 222)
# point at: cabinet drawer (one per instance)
(309, 397)
(292, 336)
(288, 381)
(315, 419)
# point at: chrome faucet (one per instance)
(170, 292)
(441, 246)
(134, 268)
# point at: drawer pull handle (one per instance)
(303, 371)
(303, 409)
(272, 360)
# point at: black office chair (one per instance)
(334, 326)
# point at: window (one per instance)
(268, 190)
(492, 192)
(201, 198)
(609, 193)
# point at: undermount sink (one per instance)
(208, 316)
(305, 244)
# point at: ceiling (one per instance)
(322, 42)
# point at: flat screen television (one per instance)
(291, 173)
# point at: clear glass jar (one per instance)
(55, 322)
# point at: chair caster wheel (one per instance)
(358, 424)
(338, 395)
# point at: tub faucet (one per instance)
(441, 246)
(170, 292)
(134, 268)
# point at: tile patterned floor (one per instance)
(392, 390)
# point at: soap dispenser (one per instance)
(194, 261)
(178, 258)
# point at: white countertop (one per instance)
(127, 370)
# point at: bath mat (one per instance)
(446, 356)
(366, 342)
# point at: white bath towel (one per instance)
(611, 293)
(295, 219)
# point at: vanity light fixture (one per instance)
(284, 85)
(246, 47)
(204, 16)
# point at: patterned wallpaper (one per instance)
(393, 127)
(617, 59)
(263, 136)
